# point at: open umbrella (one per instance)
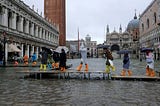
(49, 51)
(124, 51)
(146, 49)
(59, 48)
(13, 48)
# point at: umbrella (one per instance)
(59, 48)
(49, 51)
(146, 49)
(13, 48)
(123, 51)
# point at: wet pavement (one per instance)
(15, 91)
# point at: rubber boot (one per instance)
(107, 69)
(86, 67)
(61, 69)
(53, 65)
(45, 67)
(15, 63)
(64, 69)
(79, 67)
(57, 65)
(147, 71)
(123, 73)
(113, 68)
(34, 63)
(129, 73)
(41, 67)
(152, 73)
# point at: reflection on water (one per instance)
(62, 92)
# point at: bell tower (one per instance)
(55, 10)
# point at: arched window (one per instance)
(147, 23)
(155, 18)
(142, 27)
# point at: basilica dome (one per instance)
(133, 24)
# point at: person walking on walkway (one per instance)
(63, 59)
(83, 51)
(109, 62)
(34, 59)
(150, 64)
(44, 58)
(126, 64)
(55, 64)
(25, 59)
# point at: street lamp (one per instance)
(4, 44)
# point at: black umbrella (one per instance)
(123, 51)
(49, 51)
(146, 49)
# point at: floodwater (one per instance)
(15, 91)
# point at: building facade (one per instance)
(54, 10)
(149, 27)
(117, 41)
(25, 28)
(127, 40)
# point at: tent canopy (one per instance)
(13, 48)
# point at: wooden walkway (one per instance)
(136, 78)
(66, 74)
(87, 75)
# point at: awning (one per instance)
(13, 48)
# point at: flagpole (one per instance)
(78, 40)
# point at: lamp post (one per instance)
(4, 43)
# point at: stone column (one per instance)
(32, 29)
(43, 36)
(2, 16)
(27, 51)
(22, 50)
(6, 50)
(14, 15)
(21, 24)
(40, 33)
(49, 36)
(27, 27)
(5, 17)
(32, 50)
(37, 52)
(36, 31)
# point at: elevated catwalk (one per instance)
(85, 75)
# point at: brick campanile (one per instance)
(56, 11)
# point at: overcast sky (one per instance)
(92, 16)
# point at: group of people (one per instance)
(56, 60)
(126, 64)
(149, 64)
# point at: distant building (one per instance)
(133, 30)
(55, 11)
(127, 40)
(91, 47)
(149, 27)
